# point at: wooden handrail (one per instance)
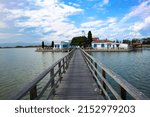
(125, 87)
(62, 65)
(98, 70)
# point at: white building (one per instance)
(107, 44)
(61, 45)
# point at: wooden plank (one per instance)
(78, 82)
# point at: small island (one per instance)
(94, 44)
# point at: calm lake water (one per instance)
(20, 66)
(132, 66)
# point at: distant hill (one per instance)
(20, 44)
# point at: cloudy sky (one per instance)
(37, 20)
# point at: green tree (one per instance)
(42, 44)
(146, 40)
(89, 38)
(79, 41)
(127, 41)
(117, 41)
(135, 40)
(52, 45)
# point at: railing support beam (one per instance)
(64, 66)
(59, 67)
(53, 80)
(103, 83)
(123, 93)
(33, 93)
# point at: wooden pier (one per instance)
(78, 82)
(78, 76)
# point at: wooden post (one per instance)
(104, 75)
(96, 68)
(91, 64)
(33, 93)
(95, 64)
(64, 65)
(59, 67)
(60, 74)
(123, 93)
(67, 62)
(53, 80)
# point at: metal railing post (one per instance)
(33, 93)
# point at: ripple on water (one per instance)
(132, 66)
(20, 66)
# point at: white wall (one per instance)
(112, 45)
(122, 45)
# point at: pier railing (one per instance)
(100, 73)
(44, 85)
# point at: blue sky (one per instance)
(47, 20)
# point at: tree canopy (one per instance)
(127, 41)
(42, 44)
(52, 45)
(89, 38)
(146, 40)
(79, 41)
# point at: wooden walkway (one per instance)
(78, 82)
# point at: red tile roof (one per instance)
(97, 40)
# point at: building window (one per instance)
(95, 45)
(65, 46)
(102, 45)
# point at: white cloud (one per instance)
(51, 16)
(96, 23)
(91, 18)
(141, 25)
(49, 19)
(3, 24)
(99, 23)
(8, 35)
(140, 11)
(105, 2)
(111, 20)
(74, 4)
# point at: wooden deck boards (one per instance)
(78, 82)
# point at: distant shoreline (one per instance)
(20, 47)
(108, 50)
(147, 46)
(144, 46)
